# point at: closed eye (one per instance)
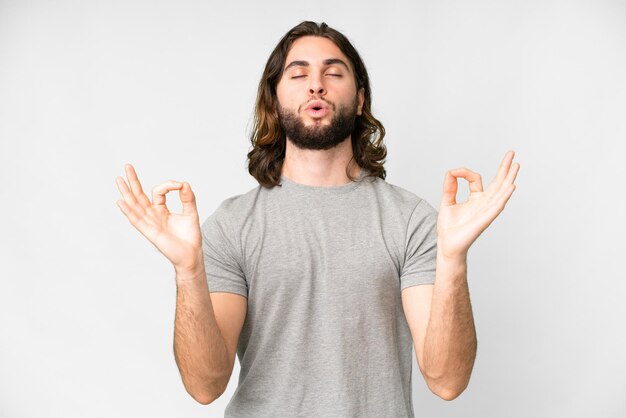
(298, 76)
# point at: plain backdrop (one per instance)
(87, 303)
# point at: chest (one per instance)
(327, 255)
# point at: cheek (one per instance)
(281, 95)
(286, 98)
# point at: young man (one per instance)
(323, 277)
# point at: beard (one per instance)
(318, 136)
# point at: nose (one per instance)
(316, 86)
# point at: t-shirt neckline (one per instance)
(288, 184)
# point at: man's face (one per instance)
(317, 97)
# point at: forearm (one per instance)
(199, 347)
(450, 342)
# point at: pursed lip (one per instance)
(317, 109)
(316, 104)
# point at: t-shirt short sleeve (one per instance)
(222, 255)
(421, 247)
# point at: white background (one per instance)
(87, 303)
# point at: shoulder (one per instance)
(235, 207)
(400, 198)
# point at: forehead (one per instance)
(314, 49)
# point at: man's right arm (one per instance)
(207, 325)
(200, 349)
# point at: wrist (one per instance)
(191, 266)
(190, 274)
(451, 259)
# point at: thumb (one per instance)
(188, 199)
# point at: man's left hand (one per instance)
(459, 225)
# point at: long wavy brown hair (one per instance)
(266, 158)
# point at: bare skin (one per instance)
(200, 349)
(176, 235)
(440, 315)
(316, 76)
(460, 224)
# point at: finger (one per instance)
(497, 205)
(137, 220)
(499, 188)
(133, 217)
(505, 186)
(450, 187)
(504, 197)
(474, 179)
(188, 199)
(135, 186)
(512, 175)
(159, 192)
(128, 196)
(504, 167)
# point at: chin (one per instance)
(315, 122)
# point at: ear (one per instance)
(360, 100)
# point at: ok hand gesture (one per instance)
(458, 225)
(177, 236)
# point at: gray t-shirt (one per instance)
(323, 268)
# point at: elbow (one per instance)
(448, 385)
(206, 396)
(203, 399)
(448, 394)
(447, 391)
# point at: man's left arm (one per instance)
(442, 325)
(440, 315)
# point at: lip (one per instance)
(316, 103)
(317, 113)
(317, 109)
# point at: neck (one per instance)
(325, 168)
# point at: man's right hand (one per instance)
(177, 236)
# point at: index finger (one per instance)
(473, 178)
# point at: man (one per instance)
(323, 277)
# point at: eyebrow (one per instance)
(329, 61)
